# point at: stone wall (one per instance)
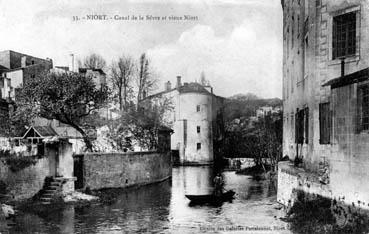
(303, 87)
(118, 170)
(24, 183)
(291, 179)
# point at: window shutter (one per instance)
(306, 112)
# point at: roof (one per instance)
(348, 79)
(84, 70)
(192, 87)
(2, 68)
(165, 129)
(42, 131)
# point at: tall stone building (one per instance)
(16, 68)
(197, 122)
(326, 99)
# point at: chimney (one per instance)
(23, 61)
(179, 81)
(71, 63)
(167, 86)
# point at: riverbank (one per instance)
(254, 170)
(316, 214)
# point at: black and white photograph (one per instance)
(184, 116)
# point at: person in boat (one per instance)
(218, 184)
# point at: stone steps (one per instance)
(51, 188)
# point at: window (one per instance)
(198, 129)
(198, 146)
(363, 94)
(32, 62)
(198, 108)
(288, 41)
(344, 35)
(287, 83)
(302, 126)
(292, 123)
(306, 119)
(292, 31)
(185, 132)
(298, 26)
(324, 123)
(306, 49)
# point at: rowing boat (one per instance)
(211, 198)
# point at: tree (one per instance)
(203, 80)
(93, 61)
(145, 79)
(122, 72)
(67, 97)
(143, 123)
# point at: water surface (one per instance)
(163, 208)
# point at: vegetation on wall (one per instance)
(16, 162)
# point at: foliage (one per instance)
(10, 126)
(67, 97)
(122, 72)
(16, 162)
(3, 187)
(146, 80)
(93, 61)
(203, 80)
(245, 105)
(141, 124)
(258, 140)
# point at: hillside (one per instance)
(245, 105)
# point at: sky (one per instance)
(236, 43)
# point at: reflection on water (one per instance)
(163, 208)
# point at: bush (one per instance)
(16, 162)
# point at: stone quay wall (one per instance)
(25, 183)
(119, 170)
(292, 179)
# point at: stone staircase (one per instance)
(51, 189)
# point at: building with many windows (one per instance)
(197, 122)
(16, 68)
(326, 99)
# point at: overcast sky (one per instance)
(237, 43)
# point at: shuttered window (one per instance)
(185, 132)
(302, 126)
(363, 107)
(325, 122)
(306, 122)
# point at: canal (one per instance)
(163, 208)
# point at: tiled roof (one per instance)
(43, 131)
(192, 87)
